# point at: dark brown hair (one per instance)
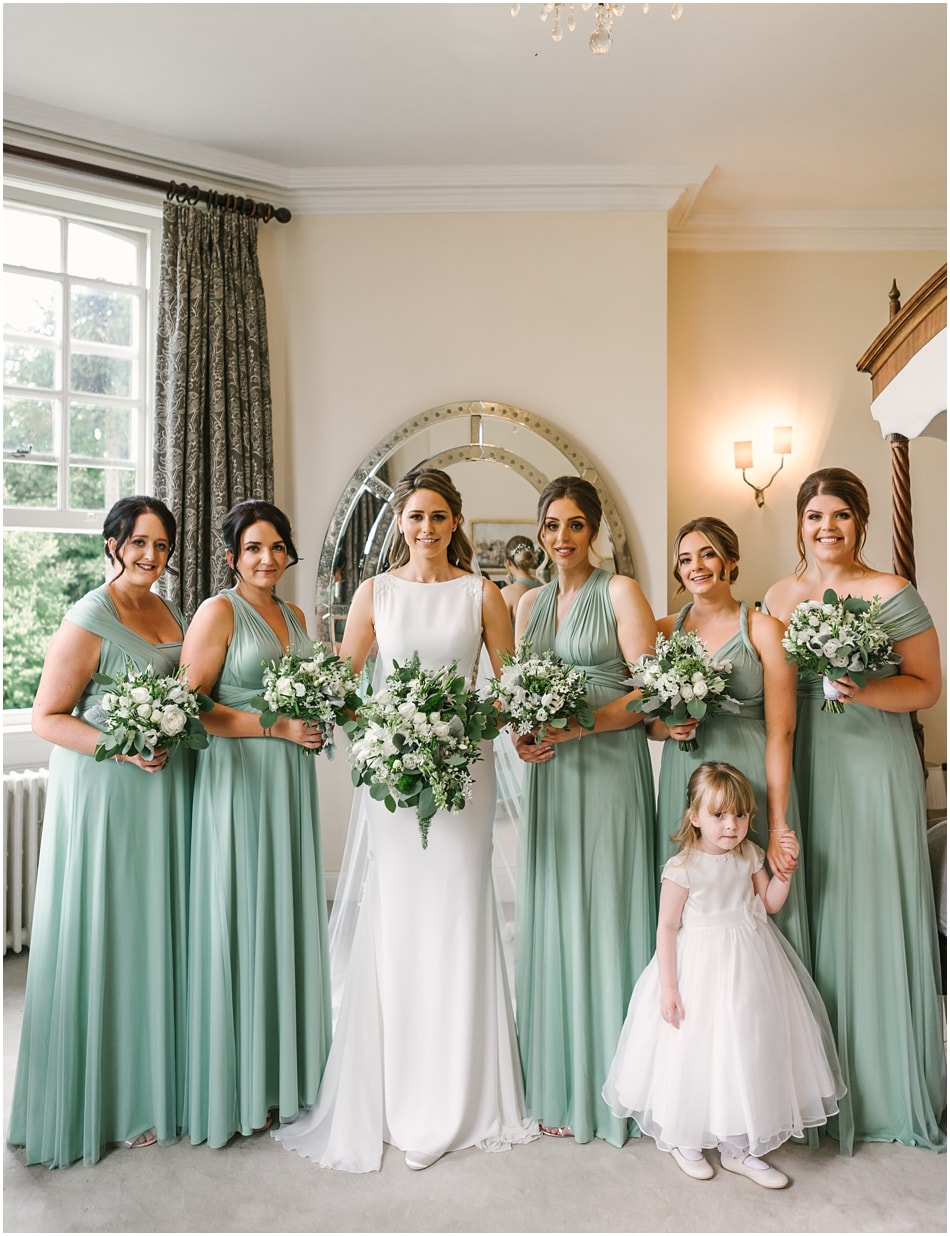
(522, 553)
(719, 535)
(460, 550)
(582, 493)
(120, 523)
(252, 511)
(838, 483)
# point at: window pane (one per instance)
(26, 366)
(43, 574)
(31, 240)
(31, 306)
(95, 489)
(100, 375)
(28, 422)
(29, 484)
(95, 253)
(100, 433)
(101, 317)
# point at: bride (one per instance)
(424, 1054)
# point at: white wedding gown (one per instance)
(424, 1055)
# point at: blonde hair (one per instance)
(721, 538)
(726, 787)
(461, 551)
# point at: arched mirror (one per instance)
(499, 456)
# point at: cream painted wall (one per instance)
(764, 339)
(373, 319)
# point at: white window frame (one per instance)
(68, 196)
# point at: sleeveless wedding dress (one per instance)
(424, 1055)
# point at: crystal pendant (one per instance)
(600, 41)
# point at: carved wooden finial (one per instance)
(894, 296)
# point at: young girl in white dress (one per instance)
(726, 1041)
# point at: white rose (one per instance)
(284, 686)
(686, 691)
(406, 710)
(300, 689)
(109, 701)
(174, 720)
(140, 695)
(700, 689)
(144, 711)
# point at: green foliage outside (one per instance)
(43, 574)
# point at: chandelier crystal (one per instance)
(600, 41)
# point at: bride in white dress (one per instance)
(424, 1054)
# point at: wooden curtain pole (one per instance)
(172, 190)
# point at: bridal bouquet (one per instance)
(416, 739)
(145, 712)
(680, 681)
(318, 687)
(537, 690)
(838, 636)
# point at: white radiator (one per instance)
(24, 799)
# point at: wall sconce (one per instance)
(781, 445)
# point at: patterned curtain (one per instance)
(213, 438)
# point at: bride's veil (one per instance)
(349, 890)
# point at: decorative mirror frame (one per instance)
(480, 416)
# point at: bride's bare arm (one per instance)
(359, 635)
(496, 624)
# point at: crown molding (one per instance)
(673, 189)
(846, 230)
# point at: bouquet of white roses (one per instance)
(145, 712)
(319, 688)
(680, 681)
(416, 739)
(838, 636)
(537, 690)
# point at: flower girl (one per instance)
(726, 1042)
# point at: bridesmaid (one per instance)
(586, 908)
(861, 791)
(101, 1049)
(758, 739)
(520, 561)
(258, 991)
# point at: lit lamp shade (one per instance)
(781, 440)
(743, 453)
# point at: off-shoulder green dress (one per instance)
(586, 910)
(737, 739)
(258, 994)
(102, 1043)
(870, 900)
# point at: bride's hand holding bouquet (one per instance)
(416, 739)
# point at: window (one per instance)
(78, 280)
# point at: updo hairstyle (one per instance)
(120, 524)
(252, 511)
(850, 489)
(719, 535)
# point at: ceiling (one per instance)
(788, 109)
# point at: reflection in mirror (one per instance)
(499, 456)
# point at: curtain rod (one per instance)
(173, 191)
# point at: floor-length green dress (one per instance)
(586, 912)
(737, 739)
(102, 1044)
(870, 900)
(258, 990)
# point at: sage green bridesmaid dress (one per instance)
(258, 994)
(586, 910)
(870, 899)
(102, 1043)
(737, 739)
